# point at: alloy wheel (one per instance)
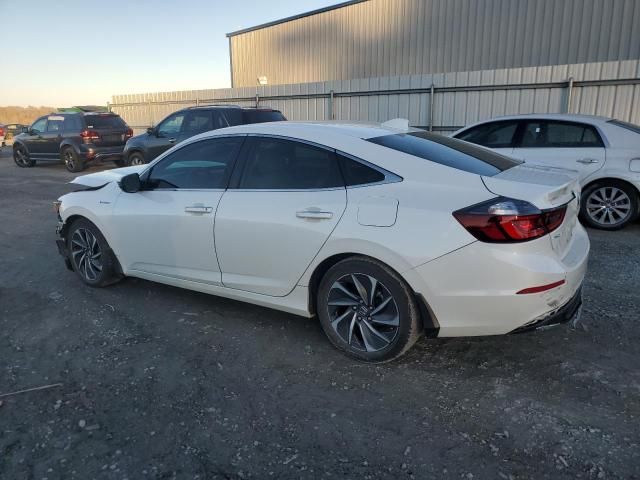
(136, 160)
(86, 254)
(68, 159)
(363, 312)
(608, 206)
(21, 156)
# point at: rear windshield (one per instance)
(262, 116)
(104, 121)
(629, 126)
(448, 151)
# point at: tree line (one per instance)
(23, 115)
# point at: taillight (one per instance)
(506, 220)
(89, 134)
(1, 131)
(129, 132)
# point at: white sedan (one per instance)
(383, 234)
(604, 151)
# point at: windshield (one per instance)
(629, 126)
(448, 151)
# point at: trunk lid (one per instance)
(100, 179)
(546, 188)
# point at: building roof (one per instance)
(295, 17)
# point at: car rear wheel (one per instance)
(609, 205)
(136, 158)
(72, 160)
(367, 310)
(21, 157)
(91, 257)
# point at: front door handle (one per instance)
(172, 140)
(587, 161)
(198, 209)
(314, 213)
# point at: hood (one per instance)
(100, 179)
(545, 187)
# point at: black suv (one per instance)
(189, 122)
(76, 138)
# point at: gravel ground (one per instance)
(164, 383)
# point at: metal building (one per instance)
(384, 38)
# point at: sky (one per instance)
(71, 52)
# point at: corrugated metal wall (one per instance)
(380, 38)
(455, 103)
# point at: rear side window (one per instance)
(261, 116)
(552, 134)
(73, 123)
(55, 124)
(198, 121)
(491, 135)
(275, 164)
(356, 173)
(629, 126)
(447, 151)
(104, 121)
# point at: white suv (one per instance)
(605, 152)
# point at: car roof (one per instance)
(310, 129)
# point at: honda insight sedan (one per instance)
(382, 232)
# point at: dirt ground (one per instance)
(163, 383)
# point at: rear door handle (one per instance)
(314, 213)
(587, 161)
(198, 209)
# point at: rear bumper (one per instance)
(101, 154)
(472, 291)
(569, 312)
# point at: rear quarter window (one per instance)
(262, 116)
(447, 151)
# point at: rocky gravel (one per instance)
(146, 381)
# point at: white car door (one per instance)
(498, 135)
(167, 228)
(282, 205)
(570, 145)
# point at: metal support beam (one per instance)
(431, 103)
(569, 94)
(331, 110)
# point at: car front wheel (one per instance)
(367, 310)
(21, 157)
(609, 205)
(91, 257)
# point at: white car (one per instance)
(383, 234)
(605, 152)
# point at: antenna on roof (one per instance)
(401, 124)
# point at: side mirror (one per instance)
(131, 183)
(24, 130)
(151, 131)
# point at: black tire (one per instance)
(72, 160)
(21, 157)
(603, 202)
(136, 158)
(94, 262)
(334, 308)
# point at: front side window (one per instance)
(55, 124)
(276, 164)
(552, 134)
(199, 165)
(39, 125)
(491, 135)
(171, 126)
(447, 151)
